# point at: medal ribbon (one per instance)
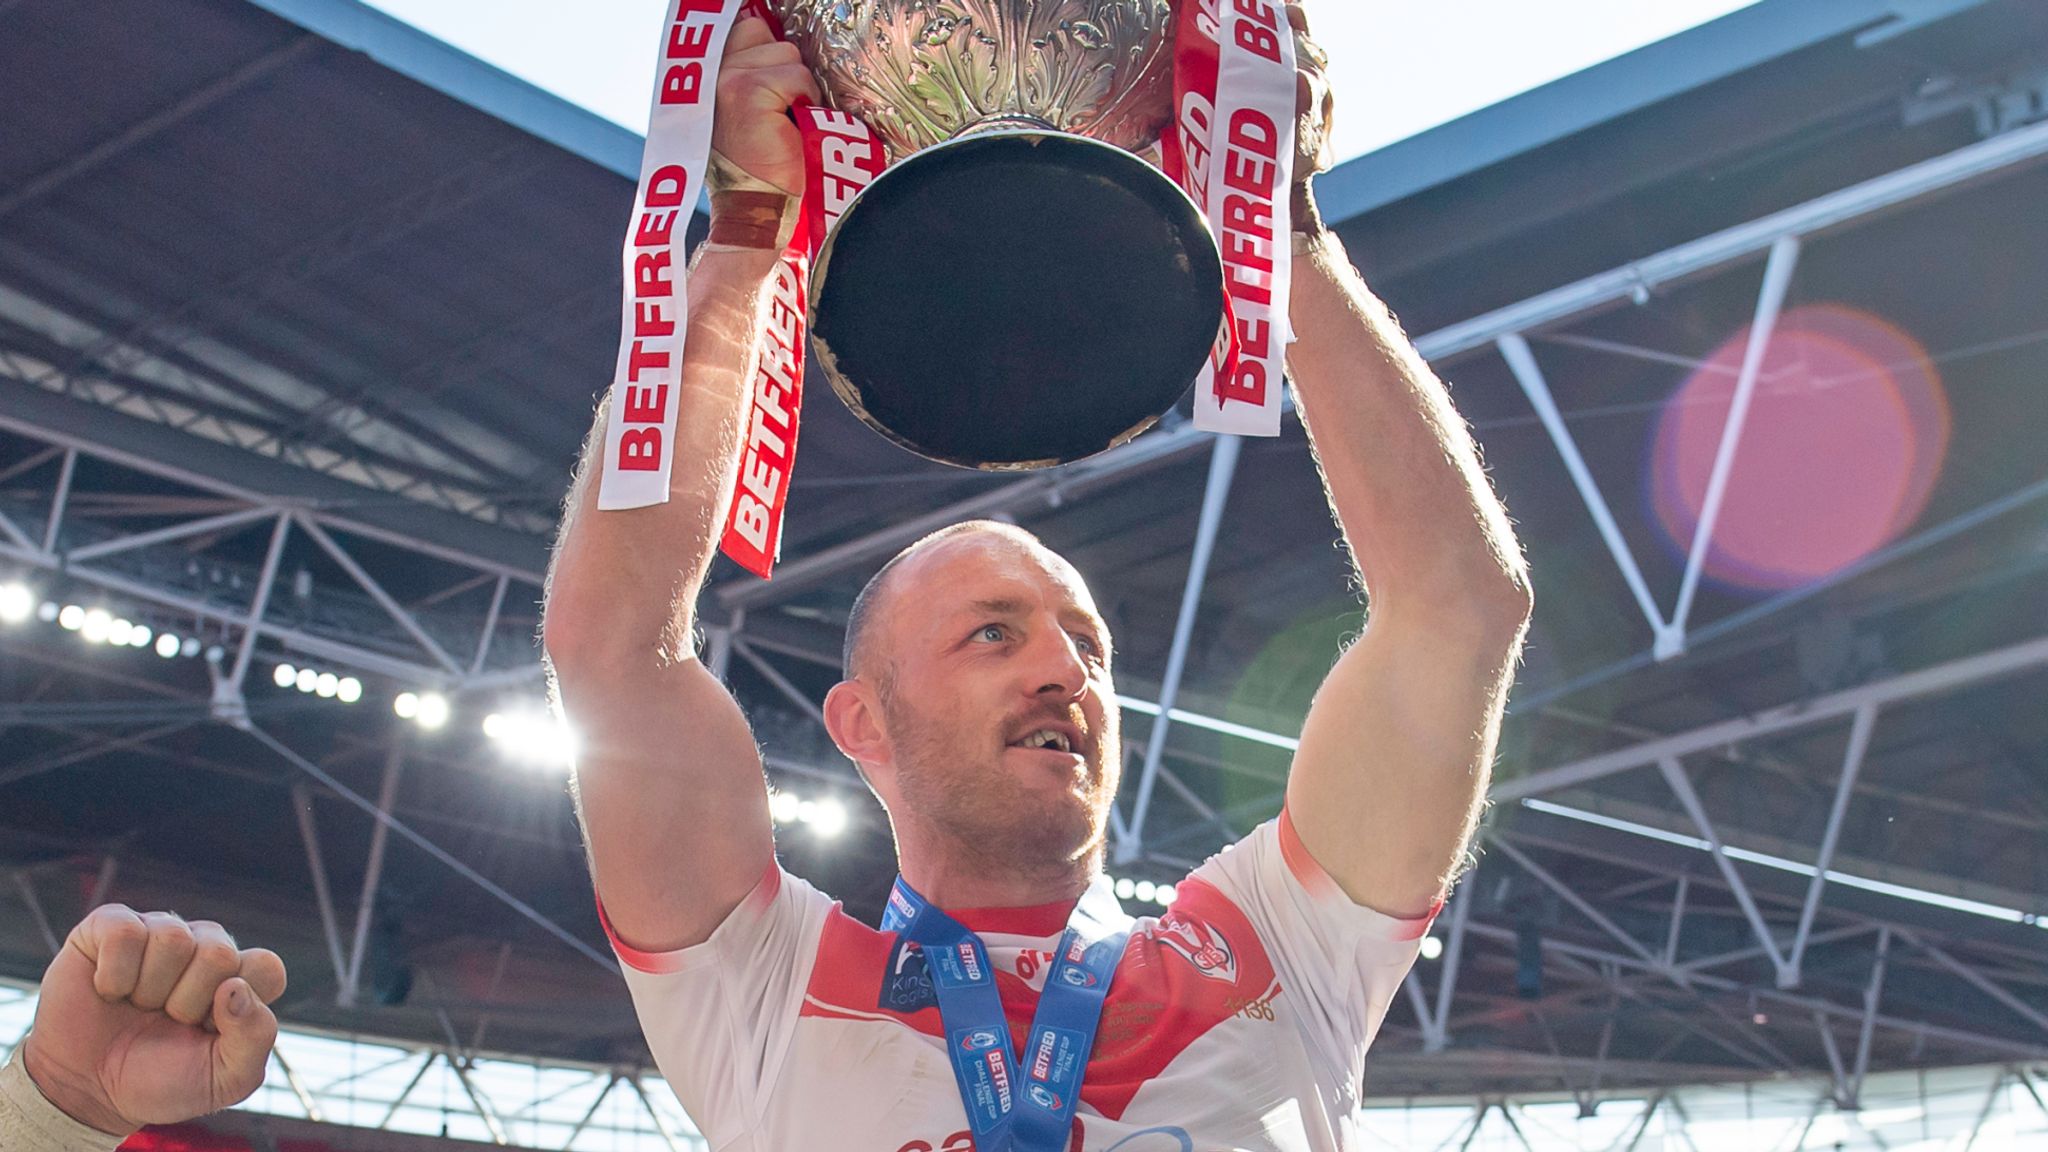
(1013, 1105)
(1232, 149)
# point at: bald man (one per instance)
(1007, 1001)
(143, 1018)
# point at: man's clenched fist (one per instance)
(757, 82)
(148, 1019)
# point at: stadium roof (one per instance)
(303, 315)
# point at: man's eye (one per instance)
(1087, 644)
(990, 632)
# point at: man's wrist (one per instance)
(47, 1116)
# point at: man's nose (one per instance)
(1056, 667)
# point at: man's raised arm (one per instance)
(1396, 751)
(668, 781)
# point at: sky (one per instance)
(1399, 66)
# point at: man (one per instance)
(978, 704)
(143, 1019)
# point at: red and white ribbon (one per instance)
(639, 438)
(1232, 149)
(842, 157)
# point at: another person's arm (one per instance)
(669, 780)
(1397, 748)
(142, 1019)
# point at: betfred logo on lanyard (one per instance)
(1012, 1107)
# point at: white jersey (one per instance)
(1239, 1019)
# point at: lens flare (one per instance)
(1845, 440)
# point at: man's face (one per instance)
(1002, 715)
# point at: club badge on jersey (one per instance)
(1017, 1102)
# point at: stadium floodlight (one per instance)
(1432, 947)
(327, 685)
(189, 647)
(1165, 895)
(828, 819)
(47, 612)
(784, 806)
(407, 705)
(98, 626)
(17, 603)
(306, 680)
(1126, 888)
(167, 645)
(120, 631)
(431, 710)
(71, 618)
(538, 739)
(140, 635)
(284, 676)
(1145, 890)
(348, 690)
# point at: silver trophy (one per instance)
(1021, 288)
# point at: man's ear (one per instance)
(853, 716)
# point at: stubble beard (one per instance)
(954, 787)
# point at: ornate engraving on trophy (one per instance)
(921, 72)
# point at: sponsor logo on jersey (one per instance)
(907, 985)
(1200, 944)
(969, 962)
(980, 1040)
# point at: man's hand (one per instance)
(1315, 119)
(148, 1019)
(757, 82)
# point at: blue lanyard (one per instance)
(1013, 1106)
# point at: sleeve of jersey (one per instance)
(1340, 962)
(719, 1016)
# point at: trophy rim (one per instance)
(849, 393)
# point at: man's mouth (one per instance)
(1048, 739)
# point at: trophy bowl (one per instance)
(1020, 288)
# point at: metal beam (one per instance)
(1744, 241)
(1216, 494)
(27, 889)
(1522, 362)
(405, 831)
(1872, 992)
(781, 683)
(1981, 982)
(1852, 765)
(228, 699)
(1578, 902)
(302, 807)
(385, 600)
(58, 501)
(483, 642)
(1939, 678)
(1681, 785)
(167, 534)
(1454, 955)
(1677, 920)
(373, 872)
(1783, 261)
